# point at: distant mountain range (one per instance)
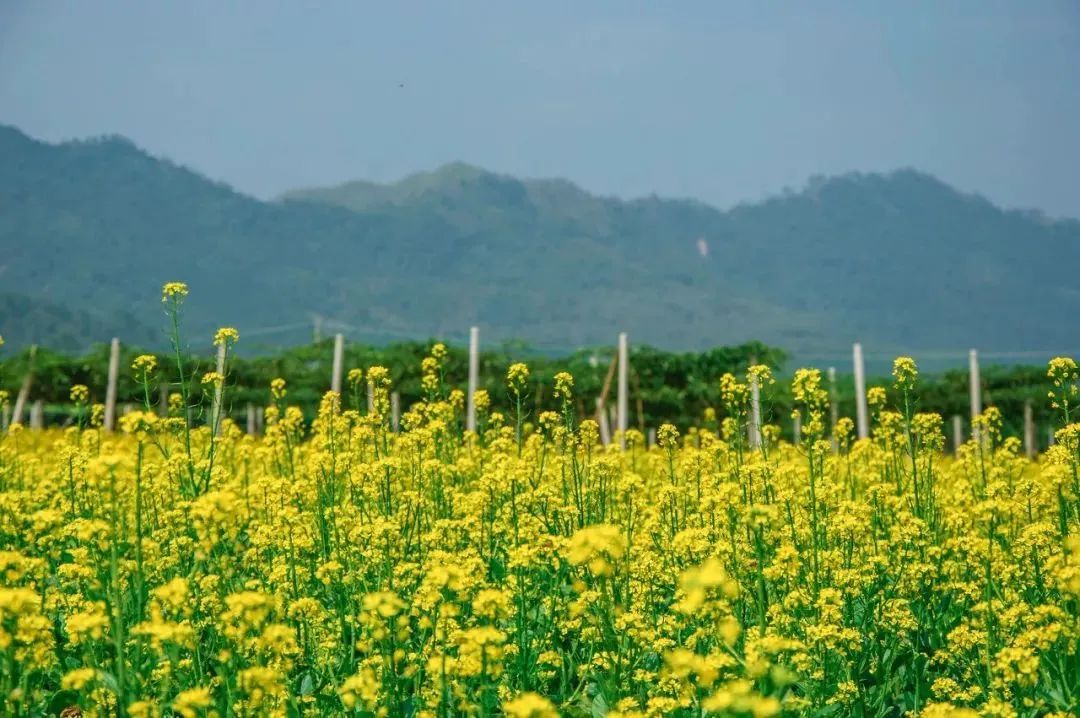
(89, 230)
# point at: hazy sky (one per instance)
(720, 101)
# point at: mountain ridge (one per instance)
(103, 222)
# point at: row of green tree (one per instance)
(664, 386)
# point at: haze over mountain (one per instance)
(899, 261)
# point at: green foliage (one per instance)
(671, 386)
(674, 387)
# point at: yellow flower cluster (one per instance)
(337, 567)
(144, 364)
(516, 377)
(173, 292)
(226, 336)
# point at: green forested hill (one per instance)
(29, 321)
(898, 261)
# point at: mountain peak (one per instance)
(450, 172)
(13, 132)
(11, 136)
(365, 195)
(915, 185)
(456, 187)
(449, 178)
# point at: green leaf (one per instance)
(599, 706)
(110, 682)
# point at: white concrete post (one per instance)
(796, 429)
(24, 391)
(215, 413)
(474, 378)
(339, 361)
(110, 387)
(251, 427)
(1029, 431)
(22, 397)
(395, 410)
(862, 412)
(975, 387)
(37, 415)
(602, 419)
(957, 433)
(755, 414)
(622, 406)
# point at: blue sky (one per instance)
(720, 101)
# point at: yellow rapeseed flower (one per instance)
(516, 377)
(144, 364)
(226, 336)
(529, 705)
(79, 393)
(174, 292)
